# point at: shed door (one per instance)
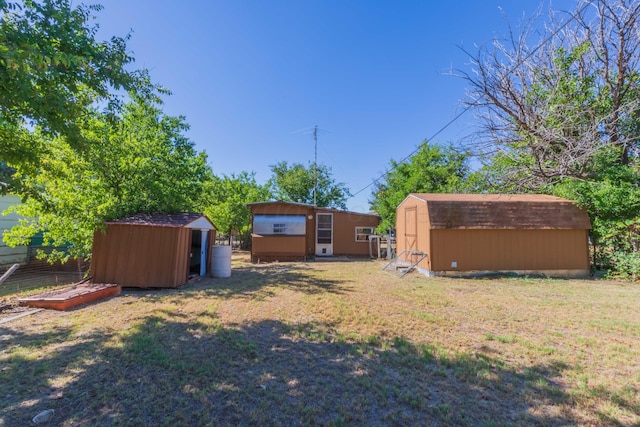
(411, 229)
(324, 234)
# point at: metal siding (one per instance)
(181, 255)
(280, 209)
(269, 246)
(140, 256)
(499, 250)
(166, 263)
(344, 233)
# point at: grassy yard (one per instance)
(332, 344)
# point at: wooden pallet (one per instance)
(67, 298)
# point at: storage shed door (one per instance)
(411, 228)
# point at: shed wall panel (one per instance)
(142, 256)
(499, 250)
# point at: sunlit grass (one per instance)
(333, 344)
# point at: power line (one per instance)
(417, 148)
(475, 103)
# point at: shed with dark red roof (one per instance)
(468, 234)
(153, 250)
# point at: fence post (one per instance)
(9, 272)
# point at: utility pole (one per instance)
(315, 163)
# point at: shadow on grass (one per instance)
(172, 371)
(258, 281)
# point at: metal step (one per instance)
(404, 263)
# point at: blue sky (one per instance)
(253, 77)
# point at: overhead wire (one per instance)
(475, 103)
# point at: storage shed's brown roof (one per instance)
(181, 219)
(503, 211)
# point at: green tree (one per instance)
(140, 162)
(295, 183)
(225, 202)
(612, 198)
(52, 72)
(432, 169)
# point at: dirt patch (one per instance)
(11, 309)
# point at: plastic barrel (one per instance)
(221, 261)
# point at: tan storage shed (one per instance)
(153, 250)
(286, 231)
(471, 234)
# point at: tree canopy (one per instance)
(225, 201)
(140, 162)
(432, 169)
(295, 183)
(53, 71)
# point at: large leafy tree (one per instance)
(296, 183)
(559, 114)
(53, 71)
(431, 169)
(226, 198)
(140, 162)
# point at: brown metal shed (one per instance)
(153, 250)
(286, 231)
(468, 234)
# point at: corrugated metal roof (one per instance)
(181, 219)
(503, 211)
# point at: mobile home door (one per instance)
(324, 234)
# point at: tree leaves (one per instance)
(138, 163)
(432, 169)
(53, 71)
(295, 183)
(226, 198)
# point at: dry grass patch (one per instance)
(332, 344)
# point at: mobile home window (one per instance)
(280, 228)
(363, 233)
(288, 225)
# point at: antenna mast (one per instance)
(315, 163)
